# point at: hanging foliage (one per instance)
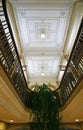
(45, 109)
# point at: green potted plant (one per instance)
(45, 109)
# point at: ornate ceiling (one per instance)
(43, 57)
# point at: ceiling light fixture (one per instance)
(43, 35)
(11, 121)
(76, 120)
(42, 74)
(42, 68)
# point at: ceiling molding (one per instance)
(43, 2)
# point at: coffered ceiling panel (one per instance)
(44, 64)
(32, 22)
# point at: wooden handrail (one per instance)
(9, 57)
(74, 70)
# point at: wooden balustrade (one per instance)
(9, 59)
(74, 70)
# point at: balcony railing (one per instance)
(74, 70)
(9, 58)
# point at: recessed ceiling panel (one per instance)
(32, 22)
(39, 64)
